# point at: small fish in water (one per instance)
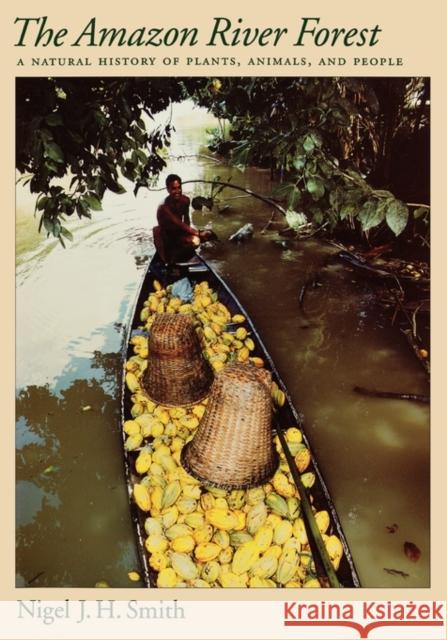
(242, 234)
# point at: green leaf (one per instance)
(48, 224)
(420, 212)
(317, 215)
(53, 151)
(56, 228)
(308, 143)
(336, 199)
(316, 138)
(371, 214)
(315, 187)
(113, 185)
(347, 210)
(142, 156)
(41, 202)
(93, 202)
(383, 193)
(396, 216)
(65, 232)
(293, 198)
(299, 162)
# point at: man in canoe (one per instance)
(174, 238)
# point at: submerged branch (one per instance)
(390, 394)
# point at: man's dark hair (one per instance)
(172, 177)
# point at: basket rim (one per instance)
(264, 478)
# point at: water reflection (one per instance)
(72, 507)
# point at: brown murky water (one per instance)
(73, 524)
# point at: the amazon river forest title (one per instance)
(223, 32)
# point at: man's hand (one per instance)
(207, 234)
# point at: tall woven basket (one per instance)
(177, 373)
(233, 445)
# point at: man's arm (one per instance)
(169, 221)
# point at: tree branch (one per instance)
(235, 186)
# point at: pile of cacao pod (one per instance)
(208, 537)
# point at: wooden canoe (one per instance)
(197, 270)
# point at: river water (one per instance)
(73, 525)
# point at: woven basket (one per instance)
(177, 373)
(233, 445)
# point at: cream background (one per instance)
(412, 32)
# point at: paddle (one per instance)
(318, 548)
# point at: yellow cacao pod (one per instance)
(183, 544)
(226, 555)
(158, 561)
(131, 427)
(210, 571)
(221, 518)
(287, 564)
(294, 508)
(277, 504)
(302, 459)
(133, 442)
(311, 583)
(241, 520)
(143, 461)
(238, 538)
(207, 551)
(264, 537)
(169, 516)
(156, 498)
(299, 531)
(156, 543)
(177, 530)
(253, 496)
(245, 557)
(153, 525)
(195, 520)
(186, 505)
(256, 517)
(282, 532)
(230, 580)
(323, 521)
(308, 479)
(132, 382)
(170, 494)
(249, 344)
(199, 584)
(221, 538)
(184, 566)
(204, 534)
(274, 551)
(261, 583)
(207, 501)
(265, 567)
(142, 497)
(167, 578)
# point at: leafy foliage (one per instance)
(92, 130)
(329, 140)
(323, 137)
